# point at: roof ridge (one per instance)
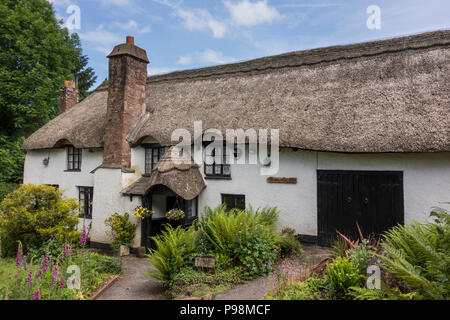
(313, 56)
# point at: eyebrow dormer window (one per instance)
(73, 158)
(153, 153)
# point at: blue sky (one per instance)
(186, 34)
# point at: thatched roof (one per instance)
(184, 179)
(383, 96)
(82, 125)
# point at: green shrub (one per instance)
(243, 236)
(268, 216)
(289, 243)
(361, 256)
(173, 247)
(310, 289)
(54, 248)
(191, 282)
(418, 254)
(34, 214)
(6, 188)
(122, 230)
(342, 274)
(385, 293)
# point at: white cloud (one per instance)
(132, 25)
(208, 56)
(246, 13)
(118, 3)
(101, 40)
(201, 19)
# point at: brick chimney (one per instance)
(68, 96)
(126, 100)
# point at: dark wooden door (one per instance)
(373, 199)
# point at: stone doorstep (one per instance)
(105, 285)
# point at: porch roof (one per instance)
(185, 179)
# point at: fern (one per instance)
(418, 254)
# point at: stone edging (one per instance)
(105, 285)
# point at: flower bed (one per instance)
(73, 274)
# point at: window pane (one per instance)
(226, 170)
(217, 169)
(234, 201)
(208, 170)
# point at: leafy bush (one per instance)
(342, 274)
(361, 255)
(289, 243)
(6, 188)
(54, 249)
(385, 293)
(33, 214)
(122, 230)
(173, 247)
(267, 216)
(310, 289)
(243, 236)
(419, 255)
(191, 282)
(48, 278)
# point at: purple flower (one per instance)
(55, 275)
(83, 236)
(30, 276)
(62, 281)
(19, 255)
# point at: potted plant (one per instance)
(145, 216)
(122, 232)
(175, 215)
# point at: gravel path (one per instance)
(133, 284)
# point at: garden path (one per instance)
(133, 284)
(290, 268)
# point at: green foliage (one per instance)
(386, 293)
(342, 274)
(197, 283)
(267, 216)
(121, 229)
(34, 214)
(173, 247)
(6, 188)
(54, 249)
(419, 255)
(51, 282)
(243, 236)
(289, 243)
(361, 255)
(310, 289)
(36, 55)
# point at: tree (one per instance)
(36, 55)
(85, 76)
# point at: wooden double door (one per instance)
(373, 199)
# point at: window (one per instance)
(213, 169)
(153, 153)
(73, 159)
(234, 201)
(86, 195)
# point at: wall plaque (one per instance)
(282, 180)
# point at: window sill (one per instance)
(218, 177)
(72, 170)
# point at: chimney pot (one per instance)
(130, 40)
(68, 96)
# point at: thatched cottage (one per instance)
(364, 137)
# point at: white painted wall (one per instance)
(55, 173)
(426, 183)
